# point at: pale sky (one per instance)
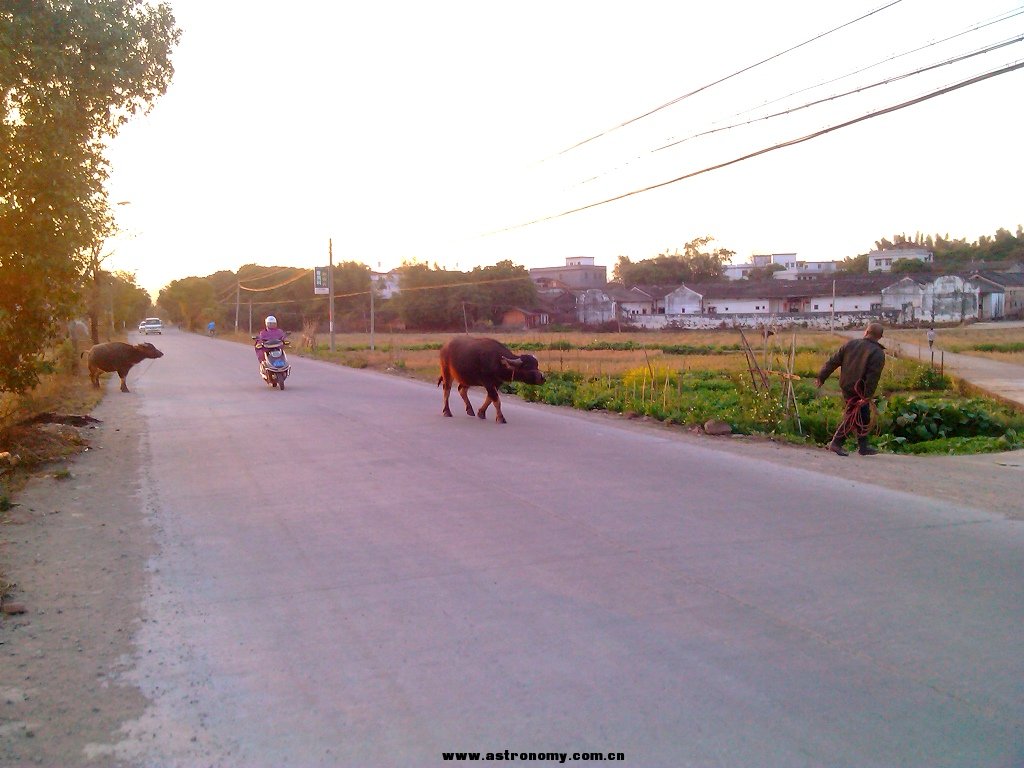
(406, 130)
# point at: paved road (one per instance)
(347, 578)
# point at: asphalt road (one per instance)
(347, 578)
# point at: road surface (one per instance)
(343, 577)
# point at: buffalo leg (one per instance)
(94, 376)
(464, 394)
(123, 373)
(447, 390)
(492, 397)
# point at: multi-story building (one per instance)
(579, 273)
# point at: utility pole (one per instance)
(330, 287)
(238, 301)
(832, 319)
(371, 310)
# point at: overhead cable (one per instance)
(791, 143)
(836, 96)
(299, 276)
(403, 290)
(1005, 16)
(727, 77)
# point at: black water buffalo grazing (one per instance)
(483, 363)
(120, 357)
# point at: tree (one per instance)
(434, 299)
(692, 265)
(908, 266)
(187, 301)
(130, 303)
(764, 273)
(854, 265)
(502, 287)
(71, 74)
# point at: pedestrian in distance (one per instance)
(861, 362)
(931, 337)
(211, 328)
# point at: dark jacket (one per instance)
(861, 360)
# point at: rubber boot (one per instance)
(864, 449)
(836, 446)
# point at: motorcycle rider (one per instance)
(270, 333)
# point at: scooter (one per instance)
(274, 367)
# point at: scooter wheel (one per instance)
(281, 384)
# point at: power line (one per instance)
(834, 97)
(1004, 16)
(270, 274)
(727, 77)
(403, 290)
(792, 142)
(299, 276)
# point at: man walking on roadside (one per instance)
(861, 361)
(931, 337)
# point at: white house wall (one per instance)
(683, 301)
(594, 307)
(949, 299)
(737, 306)
(861, 303)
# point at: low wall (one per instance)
(818, 320)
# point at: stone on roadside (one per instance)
(716, 427)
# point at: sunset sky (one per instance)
(434, 132)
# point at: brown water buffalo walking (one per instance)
(475, 362)
(120, 357)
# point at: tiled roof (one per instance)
(1005, 279)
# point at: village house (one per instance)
(882, 261)
(642, 300)
(909, 298)
(558, 303)
(791, 267)
(778, 297)
(579, 273)
(524, 319)
(1011, 284)
(386, 283)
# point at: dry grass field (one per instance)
(416, 353)
(966, 339)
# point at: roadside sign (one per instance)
(321, 286)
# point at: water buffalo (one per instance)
(120, 357)
(486, 363)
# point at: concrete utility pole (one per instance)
(238, 301)
(371, 310)
(832, 318)
(330, 287)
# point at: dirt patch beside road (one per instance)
(75, 548)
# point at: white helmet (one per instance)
(271, 321)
